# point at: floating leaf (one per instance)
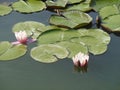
(4, 46)
(54, 36)
(71, 19)
(97, 49)
(73, 48)
(98, 4)
(10, 52)
(83, 6)
(28, 6)
(74, 1)
(4, 10)
(95, 39)
(112, 23)
(57, 3)
(31, 28)
(48, 53)
(108, 11)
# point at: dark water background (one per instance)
(26, 74)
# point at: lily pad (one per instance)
(71, 19)
(74, 1)
(11, 52)
(108, 11)
(98, 4)
(31, 27)
(49, 53)
(83, 6)
(57, 3)
(95, 39)
(74, 48)
(54, 36)
(112, 23)
(28, 6)
(4, 10)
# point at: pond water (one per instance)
(26, 74)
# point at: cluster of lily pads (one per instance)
(66, 35)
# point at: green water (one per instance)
(26, 74)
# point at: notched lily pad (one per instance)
(71, 19)
(108, 11)
(73, 48)
(95, 39)
(4, 10)
(48, 53)
(98, 4)
(82, 6)
(57, 3)
(112, 23)
(11, 52)
(74, 1)
(28, 6)
(54, 36)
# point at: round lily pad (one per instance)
(11, 52)
(71, 19)
(57, 35)
(82, 6)
(108, 11)
(4, 9)
(95, 39)
(74, 48)
(28, 6)
(112, 23)
(48, 53)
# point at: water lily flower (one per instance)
(80, 60)
(21, 36)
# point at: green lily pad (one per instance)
(71, 19)
(98, 4)
(57, 3)
(74, 1)
(11, 52)
(95, 39)
(48, 53)
(83, 6)
(31, 27)
(4, 10)
(54, 36)
(112, 23)
(108, 11)
(98, 49)
(74, 48)
(28, 6)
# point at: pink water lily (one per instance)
(21, 36)
(81, 59)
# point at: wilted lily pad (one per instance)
(28, 6)
(112, 23)
(48, 53)
(82, 6)
(31, 27)
(4, 9)
(108, 11)
(73, 48)
(10, 52)
(71, 19)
